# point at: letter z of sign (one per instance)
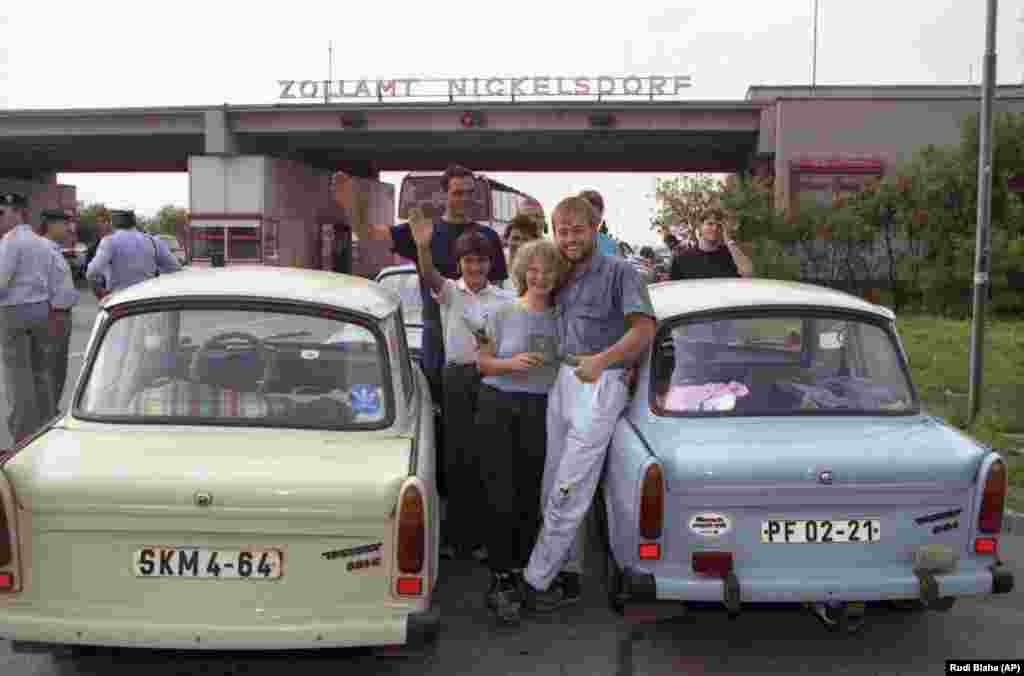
(286, 87)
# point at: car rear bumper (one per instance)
(780, 586)
(33, 631)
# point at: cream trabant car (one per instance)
(248, 463)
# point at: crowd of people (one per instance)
(38, 294)
(531, 352)
(529, 349)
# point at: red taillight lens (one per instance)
(410, 586)
(652, 503)
(411, 531)
(717, 564)
(6, 538)
(650, 551)
(985, 545)
(990, 517)
(6, 581)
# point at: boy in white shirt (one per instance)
(465, 306)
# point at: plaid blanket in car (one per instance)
(182, 398)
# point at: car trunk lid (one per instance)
(93, 502)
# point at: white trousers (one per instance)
(581, 419)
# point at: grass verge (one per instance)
(939, 354)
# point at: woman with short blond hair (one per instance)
(519, 363)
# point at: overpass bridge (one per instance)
(259, 175)
(364, 139)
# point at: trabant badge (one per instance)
(203, 499)
(825, 477)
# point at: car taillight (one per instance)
(990, 517)
(717, 564)
(650, 551)
(985, 545)
(6, 539)
(652, 503)
(412, 529)
(410, 586)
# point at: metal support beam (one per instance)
(983, 244)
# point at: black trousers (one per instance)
(512, 427)
(458, 465)
(60, 362)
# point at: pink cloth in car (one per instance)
(690, 397)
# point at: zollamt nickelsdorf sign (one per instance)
(486, 87)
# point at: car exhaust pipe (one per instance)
(841, 616)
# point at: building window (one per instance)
(206, 242)
(823, 180)
(235, 241)
(243, 244)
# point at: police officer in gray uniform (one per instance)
(64, 297)
(128, 256)
(26, 260)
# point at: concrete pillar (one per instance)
(220, 139)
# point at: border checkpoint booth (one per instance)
(270, 211)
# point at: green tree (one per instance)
(91, 218)
(684, 200)
(170, 220)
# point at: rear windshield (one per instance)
(256, 367)
(775, 365)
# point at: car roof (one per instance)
(672, 299)
(298, 285)
(404, 268)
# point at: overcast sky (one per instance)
(112, 54)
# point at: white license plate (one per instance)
(231, 564)
(820, 531)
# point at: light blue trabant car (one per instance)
(775, 451)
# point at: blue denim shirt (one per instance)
(593, 305)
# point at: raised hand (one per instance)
(422, 227)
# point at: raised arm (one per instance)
(98, 265)
(744, 265)
(344, 197)
(423, 233)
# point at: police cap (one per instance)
(51, 215)
(13, 199)
(123, 219)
